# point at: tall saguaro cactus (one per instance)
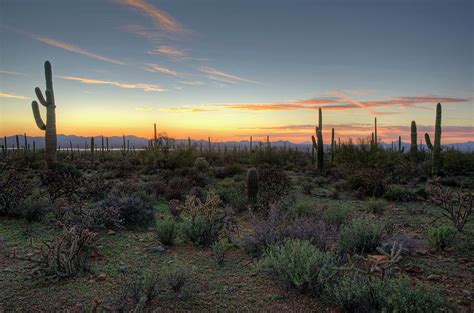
(252, 185)
(320, 147)
(436, 147)
(50, 126)
(413, 136)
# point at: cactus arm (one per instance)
(37, 115)
(428, 141)
(50, 98)
(41, 99)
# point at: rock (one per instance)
(110, 232)
(101, 277)
(434, 277)
(157, 249)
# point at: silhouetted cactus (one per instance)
(92, 150)
(319, 135)
(375, 133)
(252, 185)
(436, 147)
(413, 136)
(314, 147)
(50, 126)
(333, 147)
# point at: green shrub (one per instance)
(34, 207)
(442, 237)
(337, 216)
(176, 274)
(400, 296)
(376, 206)
(354, 293)
(219, 249)
(232, 195)
(400, 193)
(201, 164)
(200, 231)
(299, 264)
(361, 235)
(304, 207)
(165, 229)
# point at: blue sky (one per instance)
(230, 69)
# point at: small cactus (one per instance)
(414, 136)
(252, 185)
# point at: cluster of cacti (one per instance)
(50, 126)
(436, 148)
(252, 185)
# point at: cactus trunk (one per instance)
(252, 185)
(414, 136)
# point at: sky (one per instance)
(231, 69)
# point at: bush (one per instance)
(33, 208)
(165, 229)
(403, 194)
(278, 226)
(442, 237)
(299, 264)
(360, 236)
(201, 164)
(337, 216)
(272, 186)
(400, 296)
(178, 187)
(133, 210)
(219, 249)
(232, 195)
(304, 207)
(376, 206)
(200, 231)
(175, 275)
(367, 183)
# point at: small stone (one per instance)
(101, 277)
(434, 277)
(110, 232)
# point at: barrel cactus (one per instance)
(252, 185)
(50, 126)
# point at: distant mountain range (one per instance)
(116, 142)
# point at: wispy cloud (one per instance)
(145, 87)
(75, 49)
(12, 96)
(186, 110)
(222, 76)
(143, 109)
(12, 73)
(160, 18)
(169, 51)
(191, 82)
(156, 68)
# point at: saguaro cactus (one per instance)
(252, 185)
(319, 135)
(436, 147)
(414, 136)
(333, 147)
(375, 133)
(50, 126)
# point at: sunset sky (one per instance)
(231, 69)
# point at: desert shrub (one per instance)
(62, 181)
(15, 187)
(367, 183)
(233, 196)
(165, 230)
(34, 207)
(175, 209)
(175, 275)
(273, 184)
(204, 222)
(456, 204)
(219, 249)
(307, 187)
(96, 187)
(442, 237)
(201, 164)
(96, 216)
(403, 194)
(299, 264)
(320, 181)
(278, 226)
(178, 187)
(198, 192)
(228, 170)
(361, 235)
(375, 206)
(409, 243)
(399, 295)
(67, 255)
(134, 210)
(354, 292)
(143, 291)
(338, 216)
(304, 207)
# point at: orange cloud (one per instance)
(222, 76)
(75, 49)
(145, 87)
(187, 110)
(169, 51)
(156, 68)
(160, 18)
(12, 96)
